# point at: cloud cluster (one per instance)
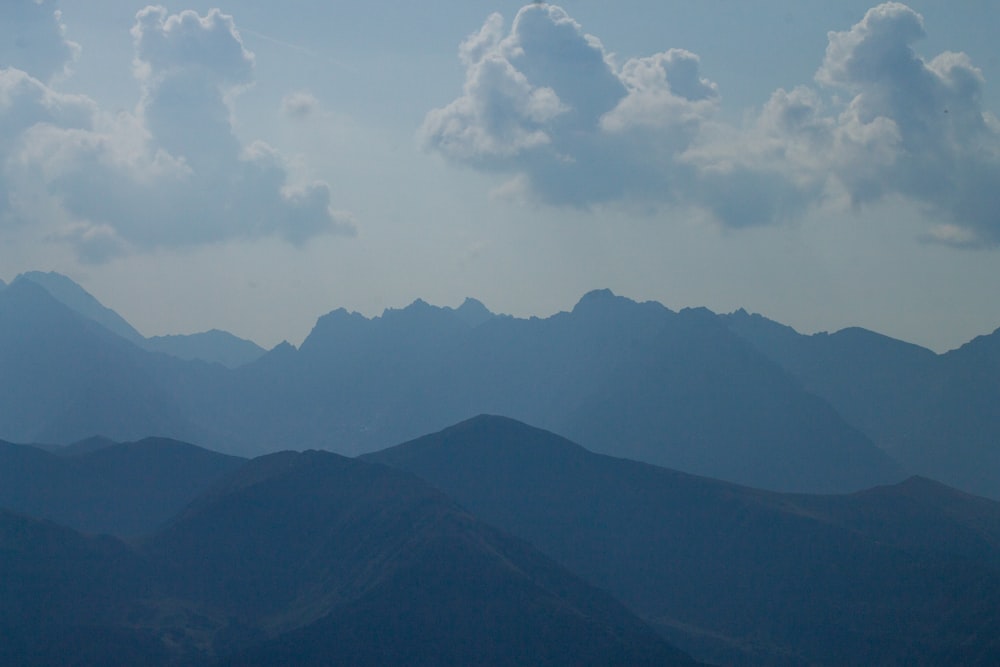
(173, 173)
(923, 121)
(546, 104)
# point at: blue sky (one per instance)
(252, 167)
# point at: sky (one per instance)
(252, 166)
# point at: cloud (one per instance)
(936, 144)
(299, 105)
(172, 174)
(532, 103)
(546, 105)
(208, 46)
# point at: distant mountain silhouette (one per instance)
(473, 312)
(627, 378)
(66, 377)
(67, 292)
(936, 414)
(307, 559)
(212, 346)
(633, 379)
(99, 486)
(735, 397)
(84, 446)
(904, 574)
(215, 346)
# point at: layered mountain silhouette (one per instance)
(936, 414)
(734, 397)
(307, 559)
(425, 553)
(902, 574)
(66, 377)
(213, 346)
(638, 380)
(99, 486)
(79, 300)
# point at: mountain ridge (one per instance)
(882, 576)
(125, 489)
(730, 396)
(213, 346)
(307, 558)
(934, 413)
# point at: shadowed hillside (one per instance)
(905, 574)
(935, 414)
(99, 486)
(307, 559)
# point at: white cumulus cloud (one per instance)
(171, 174)
(545, 104)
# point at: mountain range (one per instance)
(99, 486)
(735, 397)
(299, 558)
(936, 414)
(213, 346)
(901, 574)
(491, 542)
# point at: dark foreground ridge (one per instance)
(902, 574)
(100, 486)
(307, 559)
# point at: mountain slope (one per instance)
(936, 414)
(341, 553)
(697, 398)
(67, 377)
(65, 598)
(902, 575)
(212, 346)
(77, 299)
(306, 559)
(123, 489)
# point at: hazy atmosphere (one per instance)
(254, 166)
(647, 333)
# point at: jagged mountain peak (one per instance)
(598, 300)
(473, 312)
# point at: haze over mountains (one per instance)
(734, 397)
